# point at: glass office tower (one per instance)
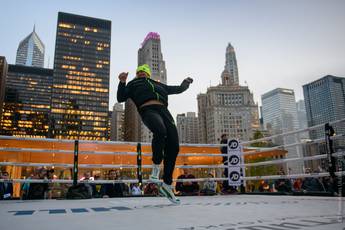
(80, 93)
(27, 102)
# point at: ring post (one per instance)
(329, 132)
(139, 170)
(75, 162)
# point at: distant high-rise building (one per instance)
(325, 102)
(279, 110)
(302, 118)
(30, 51)
(280, 115)
(301, 115)
(202, 112)
(230, 74)
(188, 127)
(3, 74)
(27, 102)
(227, 108)
(149, 53)
(117, 123)
(80, 93)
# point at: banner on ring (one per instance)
(234, 162)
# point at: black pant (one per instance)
(165, 144)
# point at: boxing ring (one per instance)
(241, 211)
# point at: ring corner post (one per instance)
(75, 162)
(139, 164)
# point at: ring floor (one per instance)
(245, 212)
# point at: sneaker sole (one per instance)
(166, 194)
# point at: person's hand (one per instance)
(189, 80)
(123, 77)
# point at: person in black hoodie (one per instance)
(112, 190)
(187, 188)
(6, 188)
(151, 100)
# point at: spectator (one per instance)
(210, 187)
(282, 185)
(114, 189)
(135, 191)
(87, 176)
(312, 184)
(6, 188)
(297, 185)
(187, 188)
(330, 184)
(96, 192)
(264, 186)
(90, 186)
(151, 189)
(36, 191)
(250, 186)
(55, 190)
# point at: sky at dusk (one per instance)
(278, 43)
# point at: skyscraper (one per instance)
(3, 74)
(30, 51)
(302, 118)
(188, 127)
(117, 123)
(227, 108)
(27, 102)
(80, 93)
(325, 102)
(231, 69)
(149, 53)
(280, 115)
(279, 110)
(301, 114)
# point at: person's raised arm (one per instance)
(122, 90)
(179, 88)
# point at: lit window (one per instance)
(65, 25)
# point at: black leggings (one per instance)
(165, 144)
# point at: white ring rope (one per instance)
(292, 132)
(271, 162)
(270, 177)
(183, 144)
(257, 150)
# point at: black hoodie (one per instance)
(143, 89)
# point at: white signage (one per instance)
(235, 157)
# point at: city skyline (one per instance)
(281, 44)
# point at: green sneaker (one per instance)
(154, 177)
(166, 190)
